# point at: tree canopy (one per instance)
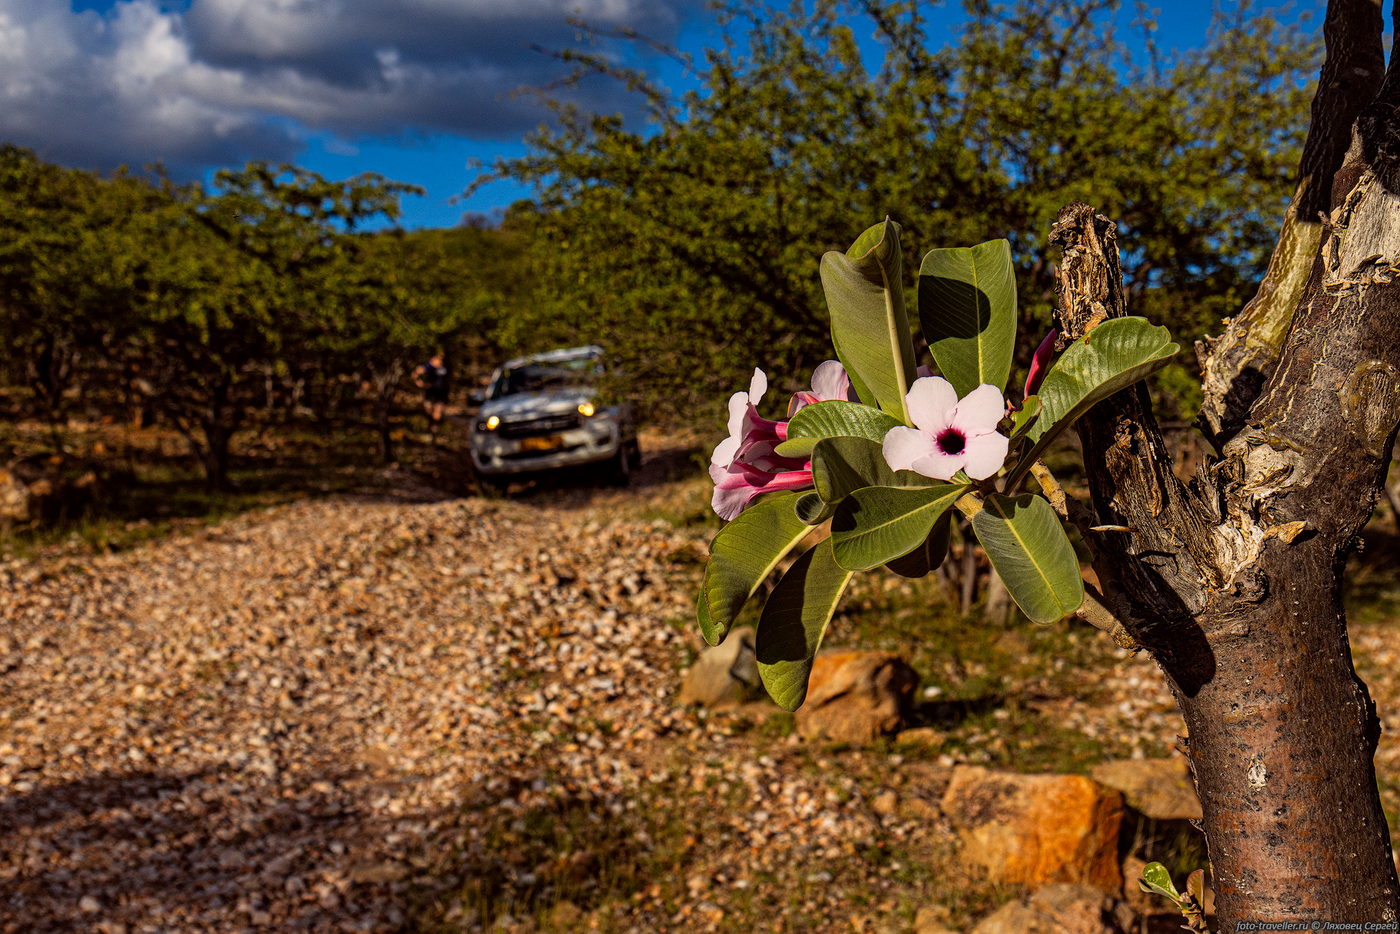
(694, 238)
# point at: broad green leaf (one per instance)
(833, 419)
(794, 621)
(926, 559)
(1113, 356)
(869, 324)
(879, 524)
(1026, 417)
(742, 554)
(811, 509)
(1156, 878)
(840, 465)
(967, 309)
(1027, 545)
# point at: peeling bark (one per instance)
(1236, 364)
(1233, 581)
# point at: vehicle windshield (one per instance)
(540, 375)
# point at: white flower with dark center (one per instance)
(950, 434)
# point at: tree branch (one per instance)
(1157, 558)
(1236, 364)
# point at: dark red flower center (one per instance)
(951, 441)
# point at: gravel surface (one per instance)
(369, 716)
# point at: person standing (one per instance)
(433, 378)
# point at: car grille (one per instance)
(539, 426)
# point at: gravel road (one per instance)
(370, 716)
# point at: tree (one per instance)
(234, 285)
(69, 261)
(395, 297)
(693, 238)
(1232, 581)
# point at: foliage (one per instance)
(692, 239)
(882, 516)
(194, 303)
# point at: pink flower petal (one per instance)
(1040, 362)
(903, 446)
(923, 370)
(830, 382)
(729, 501)
(985, 454)
(979, 411)
(738, 412)
(725, 451)
(757, 387)
(800, 400)
(931, 401)
(938, 465)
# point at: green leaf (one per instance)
(1113, 356)
(869, 324)
(742, 554)
(967, 309)
(879, 524)
(1156, 878)
(833, 419)
(1026, 417)
(925, 559)
(840, 465)
(812, 510)
(794, 621)
(837, 419)
(1027, 545)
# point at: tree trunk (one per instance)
(1233, 583)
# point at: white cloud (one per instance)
(226, 80)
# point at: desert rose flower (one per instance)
(830, 383)
(745, 465)
(737, 484)
(951, 434)
(1040, 363)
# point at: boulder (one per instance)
(14, 498)
(1161, 789)
(1036, 829)
(724, 675)
(854, 697)
(1060, 909)
(930, 921)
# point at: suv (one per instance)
(540, 413)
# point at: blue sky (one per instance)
(412, 89)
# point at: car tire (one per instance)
(623, 465)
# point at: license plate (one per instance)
(547, 443)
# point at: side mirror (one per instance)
(477, 397)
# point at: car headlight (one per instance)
(586, 409)
(491, 423)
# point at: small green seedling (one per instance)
(1156, 878)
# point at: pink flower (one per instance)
(1040, 363)
(744, 465)
(745, 425)
(829, 383)
(951, 434)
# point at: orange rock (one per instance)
(854, 697)
(1035, 829)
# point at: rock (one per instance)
(725, 674)
(1034, 829)
(930, 921)
(885, 802)
(1060, 909)
(854, 697)
(1157, 788)
(925, 736)
(14, 498)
